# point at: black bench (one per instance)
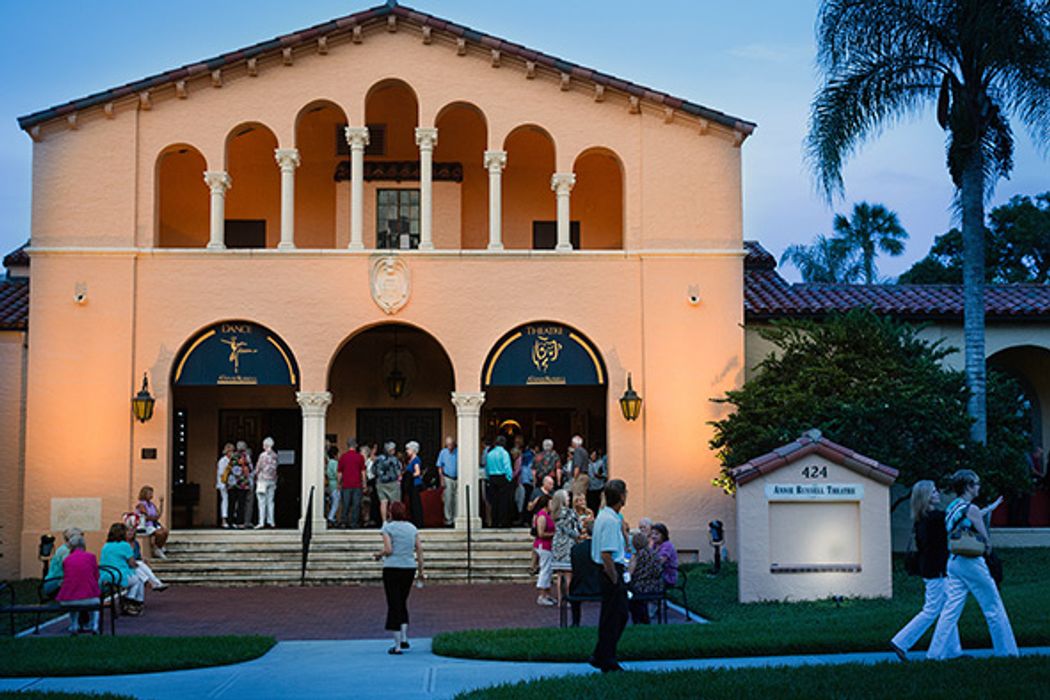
(109, 588)
(587, 594)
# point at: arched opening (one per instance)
(546, 381)
(391, 166)
(321, 141)
(462, 137)
(181, 198)
(529, 208)
(253, 202)
(234, 381)
(597, 199)
(393, 382)
(1029, 366)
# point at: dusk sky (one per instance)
(753, 59)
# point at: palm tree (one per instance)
(883, 60)
(826, 260)
(869, 229)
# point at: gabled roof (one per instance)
(381, 13)
(812, 442)
(14, 305)
(767, 295)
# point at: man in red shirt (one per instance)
(351, 477)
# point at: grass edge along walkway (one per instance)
(924, 680)
(104, 655)
(774, 629)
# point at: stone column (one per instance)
(468, 439)
(218, 181)
(562, 184)
(495, 161)
(288, 160)
(357, 138)
(314, 405)
(426, 139)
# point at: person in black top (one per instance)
(931, 545)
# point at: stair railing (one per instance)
(308, 533)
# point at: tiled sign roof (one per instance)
(767, 295)
(812, 442)
(374, 15)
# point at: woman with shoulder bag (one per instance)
(968, 572)
(931, 550)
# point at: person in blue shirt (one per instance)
(412, 482)
(500, 471)
(448, 469)
(526, 483)
(609, 552)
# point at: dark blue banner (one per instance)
(236, 353)
(544, 354)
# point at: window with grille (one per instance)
(397, 219)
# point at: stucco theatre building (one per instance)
(387, 225)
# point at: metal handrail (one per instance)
(308, 533)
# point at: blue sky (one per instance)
(750, 58)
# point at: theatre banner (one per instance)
(544, 354)
(236, 353)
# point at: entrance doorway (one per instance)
(377, 425)
(285, 426)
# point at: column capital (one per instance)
(468, 403)
(314, 403)
(426, 137)
(218, 181)
(495, 161)
(562, 183)
(357, 137)
(287, 158)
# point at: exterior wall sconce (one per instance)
(142, 403)
(630, 402)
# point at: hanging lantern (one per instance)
(395, 381)
(142, 403)
(630, 402)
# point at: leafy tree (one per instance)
(826, 260)
(977, 60)
(1017, 248)
(872, 384)
(869, 229)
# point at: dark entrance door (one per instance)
(285, 426)
(401, 425)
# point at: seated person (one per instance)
(585, 573)
(117, 553)
(646, 578)
(79, 590)
(53, 581)
(660, 541)
(142, 569)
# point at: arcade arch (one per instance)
(253, 201)
(181, 198)
(597, 199)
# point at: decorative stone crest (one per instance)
(390, 283)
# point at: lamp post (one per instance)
(630, 402)
(142, 403)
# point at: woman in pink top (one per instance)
(79, 591)
(544, 525)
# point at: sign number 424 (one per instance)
(815, 473)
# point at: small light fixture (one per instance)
(142, 403)
(630, 402)
(395, 381)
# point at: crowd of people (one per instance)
(236, 478)
(77, 578)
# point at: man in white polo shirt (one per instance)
(608, 551)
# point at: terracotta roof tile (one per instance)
(809, 443)
(375, 13)
(18, 257)
(767, 295)
(14, 305)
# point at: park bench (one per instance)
(660, 598)
(109, 588)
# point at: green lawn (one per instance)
(760, 629)
(104, 655)
(947, 680)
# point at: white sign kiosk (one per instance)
(813, 521)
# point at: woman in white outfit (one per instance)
(220, 483)
(969, 574)
(931, 546)
(266, 483)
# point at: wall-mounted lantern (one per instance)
(630, 402)
(142, 403)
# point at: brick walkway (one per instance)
(351, 612)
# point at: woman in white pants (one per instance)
(931, 546)
(970, 575)
(266, 483)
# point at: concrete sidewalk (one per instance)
(362, 668)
